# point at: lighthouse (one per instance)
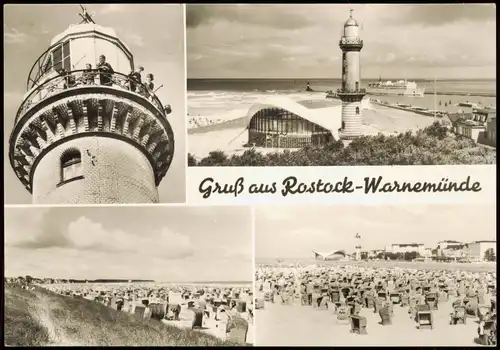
(88, 131)
(351, 93)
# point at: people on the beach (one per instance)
(357, 287)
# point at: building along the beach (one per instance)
(284, 123)
(474, 125)
(477, 249)
(85, 131)
(406, 248)
(330, 256)
(448, 244)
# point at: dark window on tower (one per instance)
(71, 166)
(66, 56)
(57, 58)
(357, 110)
(61, 57)
(357, 85)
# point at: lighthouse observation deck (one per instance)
(83, 86)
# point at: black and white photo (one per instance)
(94, 99)
(126, 275)
(376, 275)
(341, 84)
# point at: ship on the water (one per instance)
(398, 88)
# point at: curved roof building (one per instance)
(280, 122)
(336, 255)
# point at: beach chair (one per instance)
(343, 314)
(443, 296)
(197, 321)
(483, 312)
(490, 332)
(316, 298)
(377, 306)
(237, 329)
(458, 315)
(358, 324)
(369, 300)
(335, 296)
(432, 300)
(395, 298)
(405, 300)
(304, 300)
(385, 315)
(173, 312)
(157, 311)
(323, 304)
(269, 297)
(382, 295)
(140, 310)
(424, 316)
(241, 306)
(259, 304)
(471, 305)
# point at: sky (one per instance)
(449, 41)
(165, 244)
(155, 36)
(294, 231)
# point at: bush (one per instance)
(489, 255)
(433, 145)
(192, 160)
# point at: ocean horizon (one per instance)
(228, 99)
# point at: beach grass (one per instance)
(43, 318)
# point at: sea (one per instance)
(227, 99)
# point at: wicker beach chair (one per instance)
(458, 315)
(431, 299)
(424, 316)
(237, 329)
(358, 325)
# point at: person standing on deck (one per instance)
(105, 71)
(136, 79)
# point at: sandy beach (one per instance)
(291, 323)
(303, 325)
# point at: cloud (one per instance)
(135, 39)
(89, 235)
(83, 234)
(14, 36)
(282, 41)
(113, 8)
(289, 17)
(441, 14)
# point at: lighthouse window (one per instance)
(61, 57)
(71, 166)
(357, 110)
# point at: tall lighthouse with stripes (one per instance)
(351, 93)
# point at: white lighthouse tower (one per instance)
(351, 93)
(86, 132)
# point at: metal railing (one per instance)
(348, 41)
(358, 91)
(81, 78)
